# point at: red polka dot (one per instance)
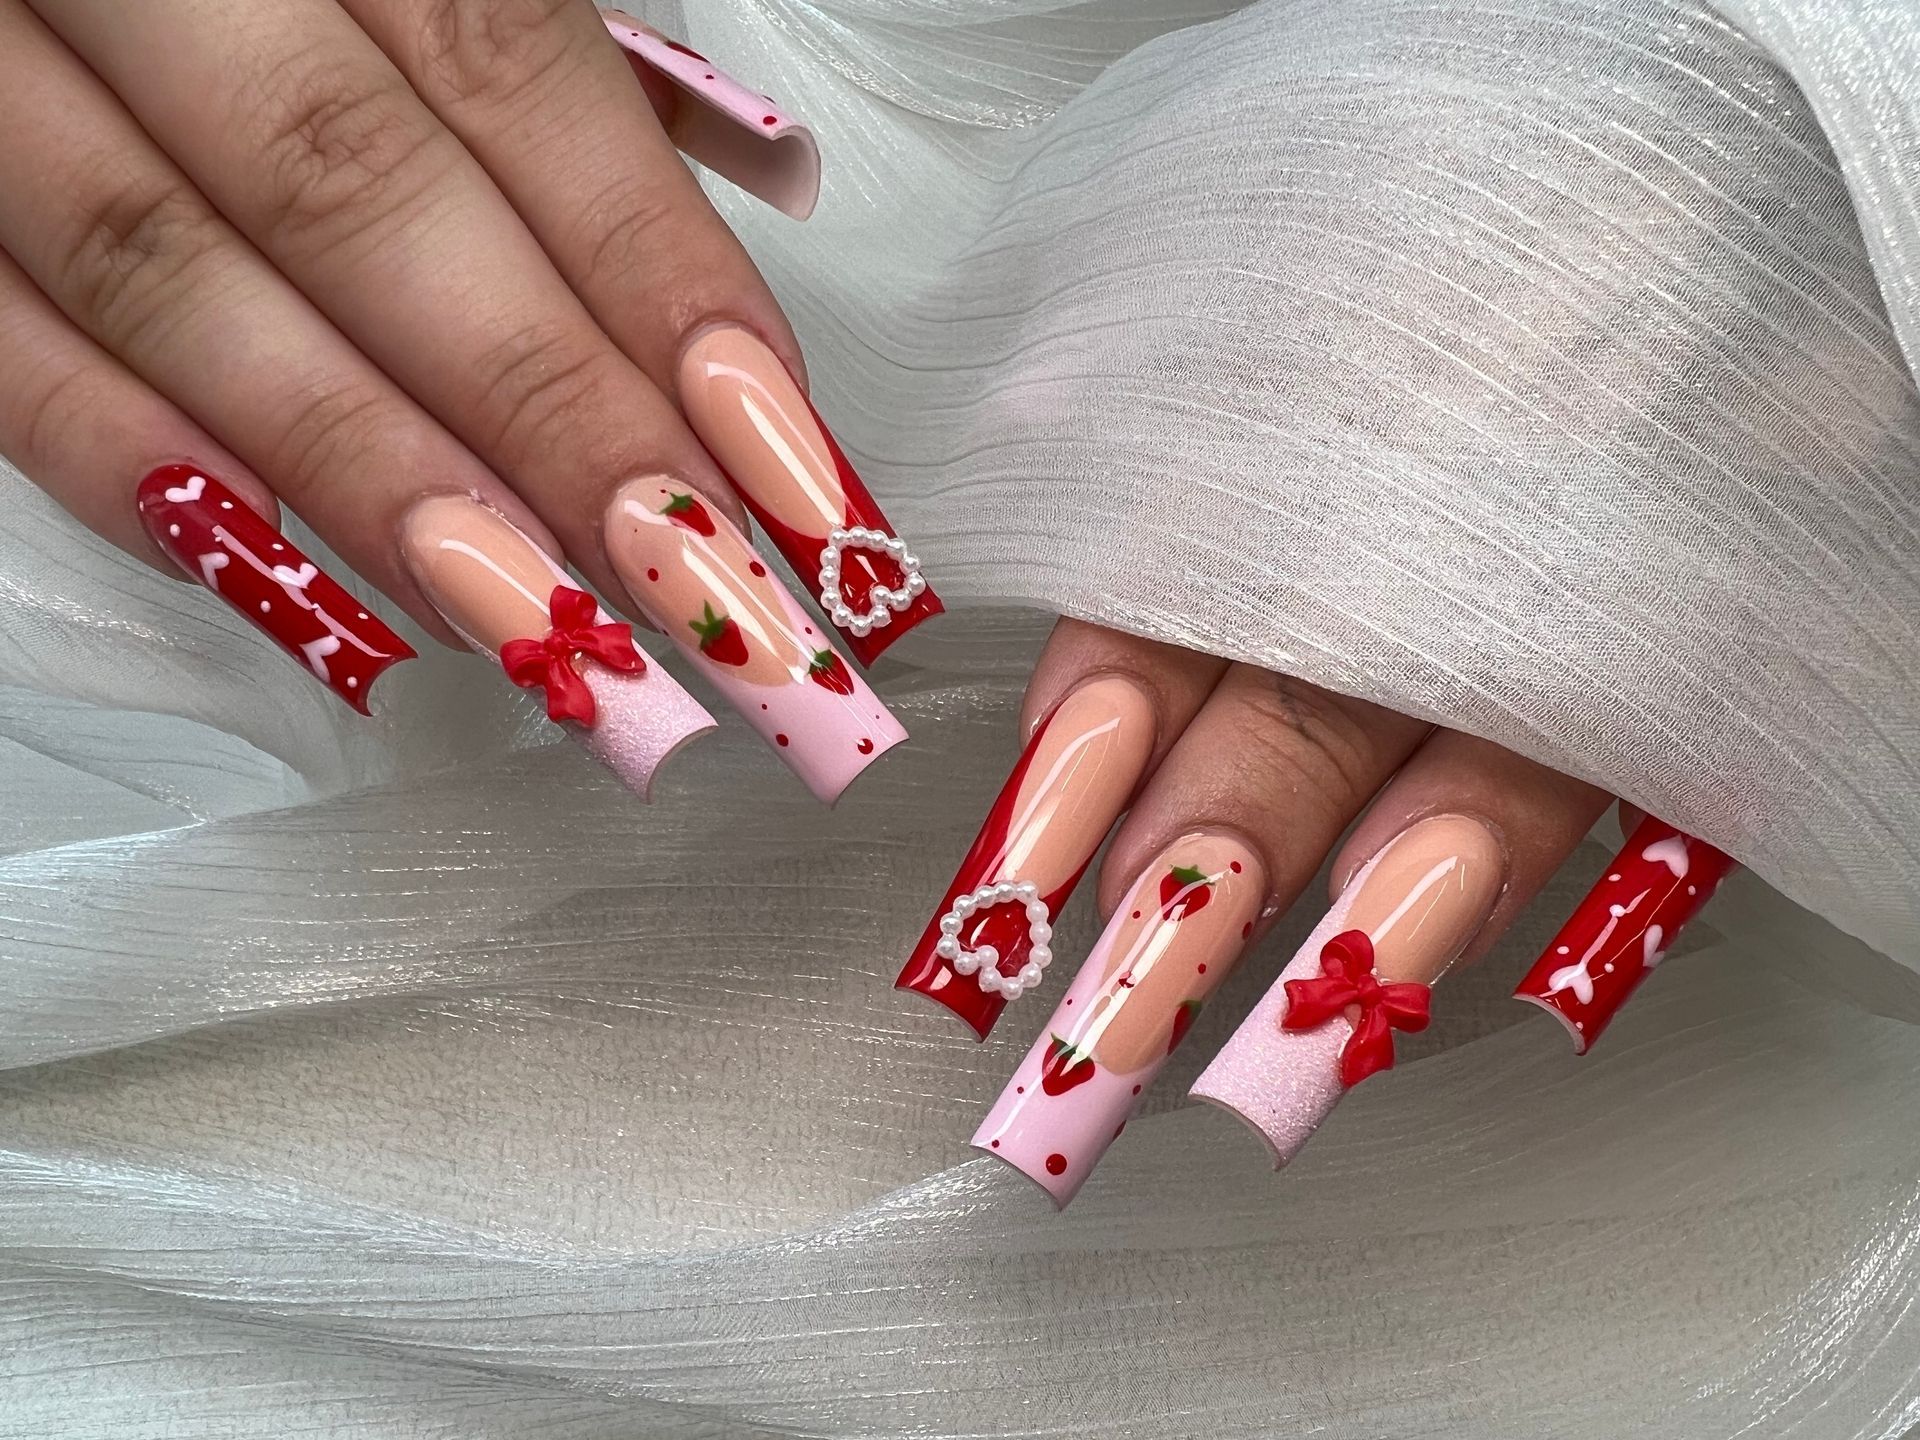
(1234, 866)
(1069, 999)
(757, 568)
(865, 747)
(1203, 969)
(807, 628)
(763, 707)
(1019, 1089)
(653, 574)
(995, 1144)
(1056, 1163)
(1136, 914)
(781, 741)
(769, 119)
(709, 77)
(1136, 1089)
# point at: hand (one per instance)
(1237, 783)
(433, 275)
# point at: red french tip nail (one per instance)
(1623, 929)
(221, 541)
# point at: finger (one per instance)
(352, 187)
(132, 254)
(1101, 711)
(1460, 841)
(1232, 826)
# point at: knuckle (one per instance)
(337, 150)
(329, 431)
(534, 387)
(494, 54)
(629, 231)
(58, 407)
(1315, 741)
(137, 246)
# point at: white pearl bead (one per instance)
(1041, 956)
(949, 924)
(948, 948)
(1037, 912)
(965, 906)
(837, 536)
(1031, 974)
(1012, 989)
(896, 546)
(916, 584)
(881, 617)
(1040, 934)
(988, 955)
(861, 625)
(911, 562)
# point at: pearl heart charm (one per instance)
(195, 487)
(882, 602)
(984, 964)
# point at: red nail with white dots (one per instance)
(1623, 929)
(732, 130)
(698, 579)
(218, 539)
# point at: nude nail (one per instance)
(699, 580)
(730, 129)
(797, 484)
(1077, 774)
(1395, 929)
(1174, 938)
(499, 590)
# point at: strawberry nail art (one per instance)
(989, 943)
(730, 129)
(219, 540)
(1623, 929)
(801, 489)
(1174, 938)
(700, 581)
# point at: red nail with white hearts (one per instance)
(219, 540)
(1623, 929)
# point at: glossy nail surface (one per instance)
(733, 131)
(508, 598)
(1361, 975)
(1622, 930)
(699, 580)
(1077, 774)
(221, 541)
(1173, 939)
(800, 489)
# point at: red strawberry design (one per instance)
(1064, 1068)
(829, 672)
(1184, 891)
(720, 639)
(1183, 1019)
(688, 513)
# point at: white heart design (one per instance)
(316, 652)
(882, 602)
(296, 579)
(192, 490)
(1670, 852)
(211, 564)
(984, 964)
(1650, 952)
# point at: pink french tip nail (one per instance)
(1623, 929)
(1174, 938)
(1365, 972)
(707, 589)
(506, 597)
(733, 131)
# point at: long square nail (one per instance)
(801, 490)
(1623, 929)
(697, 578)
(1174, 938)
(730, 129)
(221, 541)
(508, 599)
(1363, 973)
(1077, 774)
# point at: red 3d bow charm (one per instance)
(1346, 978)
(550, 662)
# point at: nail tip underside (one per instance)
(1059, 1202)
(825, 788)
(1276, 1154)
(981, 1028)
(1574, 1033)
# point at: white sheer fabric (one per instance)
(1535, 368)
